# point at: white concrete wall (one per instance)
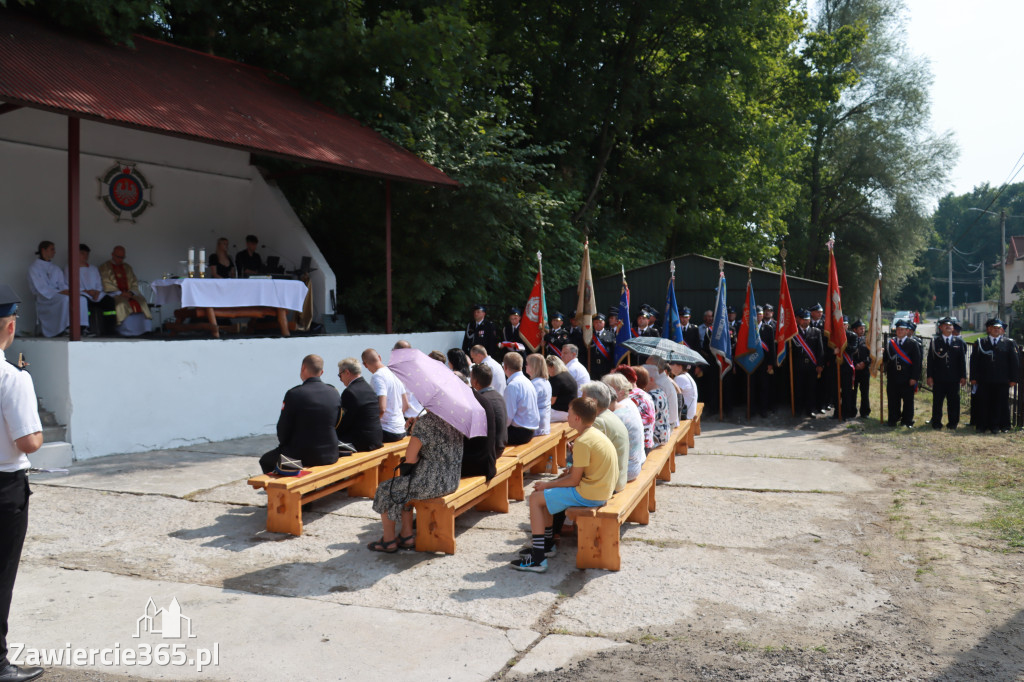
(201, 192)
(134, 396)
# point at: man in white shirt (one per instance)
(520, 402)
(391, 396)
(570, 356)
(688, 387)
(21, 434)
(478, 354)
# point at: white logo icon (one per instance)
(170, 625)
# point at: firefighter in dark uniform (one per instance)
(861, 355)
(947, 372)
(576, 334)
(769, 316)
(763, 378)
(902, 372)
(994, 371)
(808, 358)
(817, 316)
(480, 331)
(848, 375)
(557, 337)
(601, 349)
(645, 323)
(510, 333)
(691, 335)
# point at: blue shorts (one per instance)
(560, 499)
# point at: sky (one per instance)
(973, 48)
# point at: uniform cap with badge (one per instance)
(8, 301)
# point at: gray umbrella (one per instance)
(665, 348)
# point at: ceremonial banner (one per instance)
(787, 326)
(673, 327)
(875, 329)
(834, 329)
(721, 346)
(625, 332)
(531, 329)
(749, 351)
(586, 307)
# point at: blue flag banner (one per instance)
(749, 350)
(721, 345)
(625, 332)
(673, 327)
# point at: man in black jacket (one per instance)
(480, 453)
(947, 372)
(309, 414)
(994, 371)
(861, 355)
(902, 372)
(360, 410)
(480, 331)
(808, 358)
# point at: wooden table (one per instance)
(199, 298)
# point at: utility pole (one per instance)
(1002, 263)
(951, 280)
(982, 296)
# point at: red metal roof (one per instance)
(171, 90)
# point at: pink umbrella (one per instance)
(438, 389)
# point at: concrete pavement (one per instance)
(182, 525)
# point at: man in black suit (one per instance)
(480, 331)
(309, 415)
(847, 404)
(360, 410)
(601, 349)
(947, 372)
(902, 372)
(994, 371)
(480, 453)
(762, 380)
(808, 358)
(691, 335)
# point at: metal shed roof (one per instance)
(174, 91)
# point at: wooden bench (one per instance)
(360, 473)
(537, 456)
(435, 518)
(566, 434)
(597, 528)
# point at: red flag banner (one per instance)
(531, 329)
(834, 329)
(787, 327)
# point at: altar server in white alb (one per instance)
(119, 281)
(50, 288)
(90, 286)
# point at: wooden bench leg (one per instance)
(516, 486)
(435, 528)
(544, 465)
(560, 454)
(694, 431)
(651, 504)
(672, 460)
(284, 511)
(666, 469)
(597, 543)
(496, 499)
(366, 484)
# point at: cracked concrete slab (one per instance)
(557, 651)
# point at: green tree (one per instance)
(874, 162)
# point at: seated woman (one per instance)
(458, 362)
(688, 388)
(563, 388)
(436, 449)
(537, 370)
(626, 410)
(643, 403)
(220, 263)
(645, 383)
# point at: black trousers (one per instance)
(806, 391)
(863, 386)
(517, 435)
(14, 493)
(948, 391)
(901, 402)
(393, 437)
(992, 407)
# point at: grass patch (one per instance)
(991, 466)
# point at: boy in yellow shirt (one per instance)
(589, 483)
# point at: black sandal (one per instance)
(382, 546)
(407, 542)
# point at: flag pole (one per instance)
(792, 395)
(839, 387)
